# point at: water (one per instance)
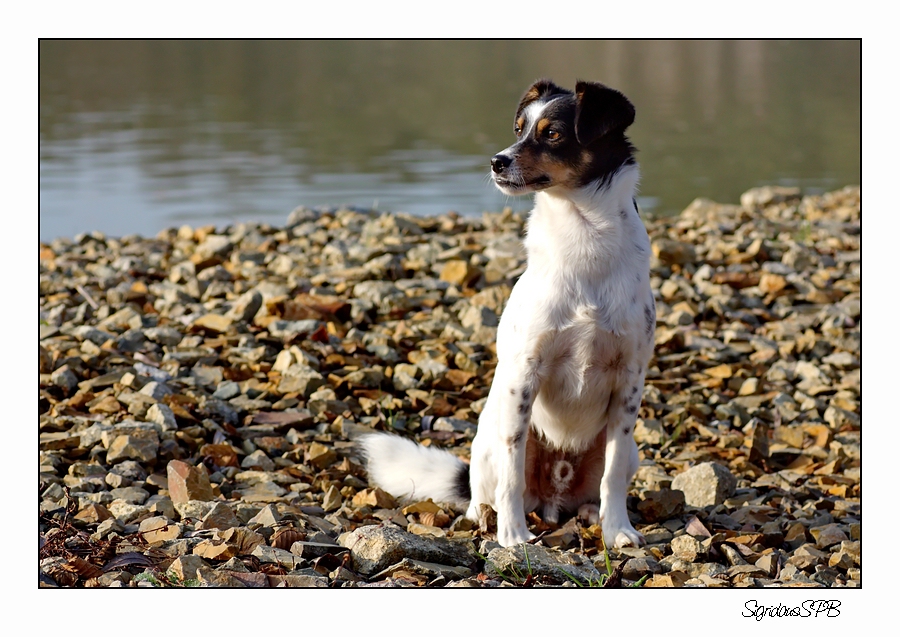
(137, 136)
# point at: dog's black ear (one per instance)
(599, 110)
(539, 90)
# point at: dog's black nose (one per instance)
(499, 163)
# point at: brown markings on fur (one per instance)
(521, 123)
(541, 459)
(513, 441)
(561, 173)
(541, 126)
(616, 362)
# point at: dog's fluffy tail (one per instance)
(410, 471)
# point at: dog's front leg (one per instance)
(517, 394)
(620, 466)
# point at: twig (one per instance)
(87, 296)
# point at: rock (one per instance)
(267, 516)
(320, 456)
(478, 316)
(213, 323)
(187, 482)
(93, 514)
(453, 424)
(210, 578)
(636, 568)
(661, 505)
(539, 562)
(65, 379)
(162, 415)
(246, 307)
(649, 431)
(705, 484)
(140, 445)
(159, 529)
(132, 495)
(828, 535)
(220, 516)
(687, 548)
(258, 460)
(768, 195)
(186, 567)
(332, 499)
(457, 272)
(671, 252)
(373, 548)
(272, 555)
(300, 380)
(428, 569)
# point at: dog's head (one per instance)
(565, 139)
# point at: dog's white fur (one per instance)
(573, 346)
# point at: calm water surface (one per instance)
(137, 136)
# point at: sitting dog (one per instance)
(573, 343)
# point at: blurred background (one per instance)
(137, 136)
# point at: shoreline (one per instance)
(260, 352)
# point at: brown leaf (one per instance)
(374, 498)
(425, 506)
(285, 538)
(222, 454)
(127, 559)
(82, 568)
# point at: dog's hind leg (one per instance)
(590, 512)
(482, 477)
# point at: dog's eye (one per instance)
(518, 130)
(551, 133)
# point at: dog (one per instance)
(574, 340)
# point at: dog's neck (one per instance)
(585, 230)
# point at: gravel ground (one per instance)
(200, 392)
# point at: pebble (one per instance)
(706, 484)
(187, 482)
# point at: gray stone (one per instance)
(193, 509)
(267, 516)
(156, 390)
(428, 569)
(373, 548)
(132, 495)
(220, 516)
(227, 390)
(453, 424)
(687, 548)
(637, 567)
(258, 460)
(162, 414)
(65, 379)
(705, 484)
(272, 555)
(142, 446)
(246, 306)
(540, 562)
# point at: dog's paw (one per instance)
(622, 535)
(590, 513)
(512, 534)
